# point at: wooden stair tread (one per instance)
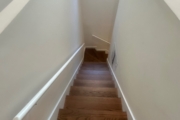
(88, 57)
(94, 63)
(95, 66)
(94, 83)
(92, 117)
(93, 105)
(95, 77)
(100, 56)
(94, 72)
(97, 69)
(90, 112)
(94, 99)
(93, 91)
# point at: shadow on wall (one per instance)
(98, 19)
(4, 3)
(100, 43)
(8, 14)
(95, 41)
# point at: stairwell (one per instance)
(93, 95)
(92, 55)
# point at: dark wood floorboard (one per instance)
(90, 112)
(94, 83)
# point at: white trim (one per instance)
(95, 47)
(101, 39)
(122, 93)
(65, 92)
(101, 49)
(91, 47)
(33, 101)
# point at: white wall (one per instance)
(175, 6)
(33, 47)
(4, 3)
(147, 39)
(47, 107)
(98, 19)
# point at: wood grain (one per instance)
(95, 92)
(94, 99)
(94, 77)
(91, 55)
(94, 83)
(92, 105)
(90, 112)
(94, 72)
(93, 95)
(92, 117)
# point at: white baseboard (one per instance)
(95, 47)
(125, 103)
(61, 101)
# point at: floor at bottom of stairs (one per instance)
(93, 96)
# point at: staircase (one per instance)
(93, 95)
(92, 55)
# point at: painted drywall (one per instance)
(4, 3)
(175, 6)
(8, 14)
(48, 106)
(147, 40)
(33, 47)
(98, 20)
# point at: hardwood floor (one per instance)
(91, 55)
(93, 95)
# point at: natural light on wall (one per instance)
(175, 6)
(10, 12)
